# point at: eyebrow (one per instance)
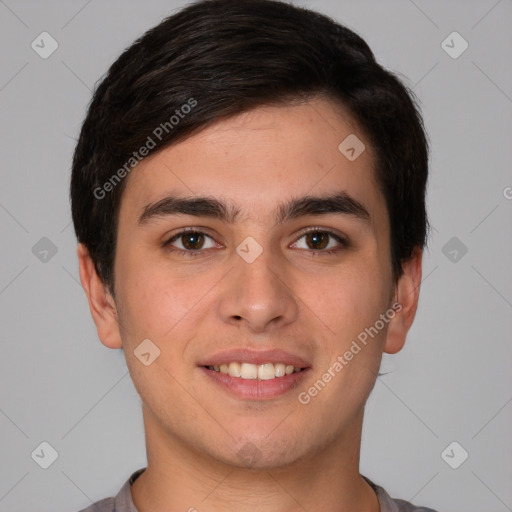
(338, 203)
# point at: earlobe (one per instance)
(101, 302)
(407, 295)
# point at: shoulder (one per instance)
(405, 506)
(122, 502)
(105, 505)
(389, 504)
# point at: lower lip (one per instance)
(256, 389)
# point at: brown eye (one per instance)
(320, 241)
(317, 240)
(192, 241)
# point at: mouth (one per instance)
(255, 375)
(249, 371)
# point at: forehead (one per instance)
(257, 159)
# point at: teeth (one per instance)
(234, 369)
(280, 369)
(248, 371)
(265, 371)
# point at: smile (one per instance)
(266, 371)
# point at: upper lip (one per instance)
(244, 355)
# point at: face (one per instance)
(256, 241)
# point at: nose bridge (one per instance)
(256, 293)
(257, 267)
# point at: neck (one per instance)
(178, 477)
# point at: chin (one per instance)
(265, 454)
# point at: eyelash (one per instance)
(195, 253)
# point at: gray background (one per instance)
(452, 381)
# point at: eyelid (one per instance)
(321, 229)
(190, 229)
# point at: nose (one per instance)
(257, 295)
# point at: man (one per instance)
(248, 193)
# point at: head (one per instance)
(238, 111)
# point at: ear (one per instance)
(407, 291)
(101, 303)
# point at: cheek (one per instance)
(160, 304)
(150, 305)
(351, 299)
(352, 348)
(153, 309)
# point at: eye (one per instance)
(320, 240)
(316, 241)
(190, 241)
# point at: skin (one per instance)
(309, 305)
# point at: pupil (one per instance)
(192, 240)
(318, 239)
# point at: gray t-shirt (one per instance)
(123, 502)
